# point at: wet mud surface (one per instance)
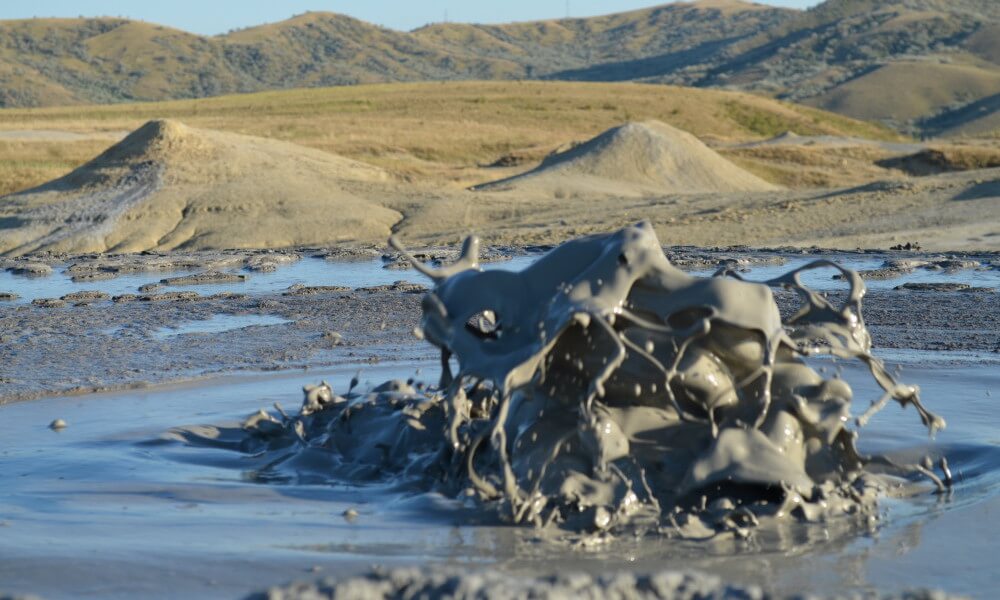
(113, 345)
(103, 345)
(131, 466)
(414, 583)
(225, 524)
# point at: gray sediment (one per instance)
(386, 584)
(128, 357)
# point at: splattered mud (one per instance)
(603, 391)
(238, 512)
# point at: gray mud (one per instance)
(219, 529)
(120, 513)
(449, 583)
(110, 345)
(602, 391)
(208, 277)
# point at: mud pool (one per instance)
(119, 507)
(118, 511)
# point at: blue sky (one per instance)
(217, 16)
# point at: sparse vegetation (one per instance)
(945, 159)
(439, 131)
(27, 164)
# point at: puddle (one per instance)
(822, 279)
(365, 273)
(117, 514)
(308, 271)
(218, 324)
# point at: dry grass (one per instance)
(441, 132)
(800, 167)
(920, 88)
(27, 164)
(943, 159)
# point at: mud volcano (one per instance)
(168, 186)
(635, 159)
(603, 389)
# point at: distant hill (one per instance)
(923, 66)
(917, 65)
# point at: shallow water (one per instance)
(822, 279)
(364, 273)
(218, 324)
(117, 513)
(308, 271)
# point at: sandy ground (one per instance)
(947, 212)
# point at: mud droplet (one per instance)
(602, 518)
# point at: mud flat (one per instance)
(114, 345)
(111, 344)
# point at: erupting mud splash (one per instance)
(602, 387)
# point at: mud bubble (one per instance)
(602, 389)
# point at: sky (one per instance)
(210, 17)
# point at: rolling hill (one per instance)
(448, 132)
(938, 59)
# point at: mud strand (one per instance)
(601, 389)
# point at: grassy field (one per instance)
(441, 132)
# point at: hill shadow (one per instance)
(641, 68)
(961, 116)
(980, 191)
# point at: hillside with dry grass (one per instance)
(928, 67)
(922, 66)
(445, 132)
(47, 62)
(198, 181)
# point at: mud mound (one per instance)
(169, 186)
(635, 159)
